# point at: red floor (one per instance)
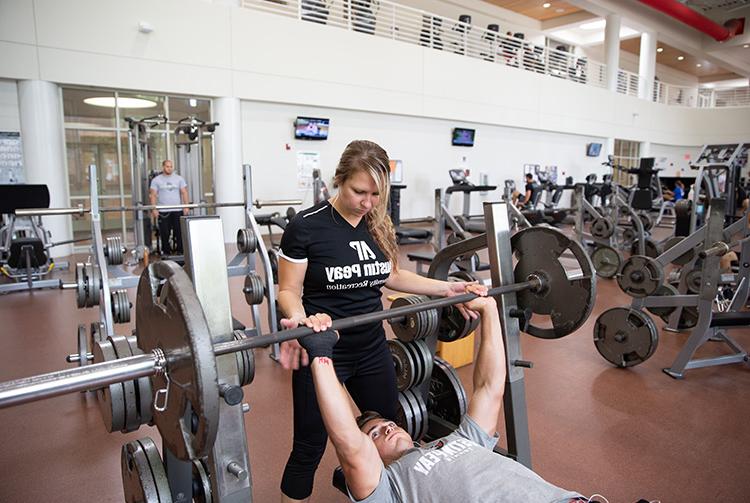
(626, 434)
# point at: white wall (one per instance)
(422, 144)
(9, 106)
(674, 160)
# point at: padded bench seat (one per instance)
(730, 319)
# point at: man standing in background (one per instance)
(169, 188)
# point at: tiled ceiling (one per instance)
(668, 57)
(535, 8)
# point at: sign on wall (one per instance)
(11, 158)
(306, 163)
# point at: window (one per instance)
(627, 155)
(96, 133)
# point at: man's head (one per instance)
(167, 167)
(390, 440)
(529, 177)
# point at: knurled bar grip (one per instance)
(353, 321)
(61, 382)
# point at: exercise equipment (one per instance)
(195, 377)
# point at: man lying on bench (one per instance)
(381, 463)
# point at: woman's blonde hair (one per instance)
(367, 156)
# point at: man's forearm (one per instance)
(490, 368)
(335, 408)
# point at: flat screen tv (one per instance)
(463, 137)
(310, 128)
(593, 149)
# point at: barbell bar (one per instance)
(40, 387)
(81, 210)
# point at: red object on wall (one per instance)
(683, 13)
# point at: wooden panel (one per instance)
(534, 9)
(668, 57)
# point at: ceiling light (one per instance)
(680, 58)
(659, 49)
(594, 25)
(698, 65)
(546, 5)
(111, 102)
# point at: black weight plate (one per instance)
(83, 346)
(688, 317)
(568, 302)
(663, 312)
(405, 415)
(447, 398)
(419, 408)
(652, 249)
(403, 363)
(640, 276)
(143, 389)
(143, 475)
(109, 398)
(625, 337)
(412, 326)
(130, 392)
(694, 280)
(602, 228)
(418, 366)
(424, 357)
(606, 261)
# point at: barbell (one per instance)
(80, 210)
(180, 356)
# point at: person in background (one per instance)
(169, 188)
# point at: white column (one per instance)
(228, 164)
(43, 142)
(612, 50)
(645, 150)
(647, 66)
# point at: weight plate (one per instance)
(144, 394)
(625, 337)
(606, 261)
(413, 326)
(80, 286)
(113, 250)
(201, 483)
(683, 259)
(424, 358)
(640, 276)
(245, 361)
(94, 284)
(646, 220)
(421, 418)
(447, 398)
(602, 228)
(652, 249)
(120, 306)
(254, 289)
(463, 276)
(144, 479)
(274, 260)
(628, 236)
(169, 317)
(110, 398)
(403, 363)
(694, 280)
(567, 301)
(688, 317)
(246, 241)
(663, 291)
(405, 414)
(130, 393)
(83, 346)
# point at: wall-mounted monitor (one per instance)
(593, 149)
(310, 128)
(463, 137)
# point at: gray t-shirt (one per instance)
(168, 189)
(462, 467)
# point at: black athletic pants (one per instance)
(370, 379)
(169, 221)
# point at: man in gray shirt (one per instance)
(381, 463)
(169, 188)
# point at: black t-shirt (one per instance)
(345, 270)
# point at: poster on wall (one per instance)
(11, 158)
(306, 163)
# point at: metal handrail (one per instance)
(383, 18)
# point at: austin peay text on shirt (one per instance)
(362, 271)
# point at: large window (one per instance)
(627, 154)
(96, 132)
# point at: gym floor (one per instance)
(623, 433)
